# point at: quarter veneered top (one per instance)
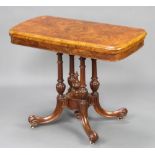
(83, 38)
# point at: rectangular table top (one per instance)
(76, 37)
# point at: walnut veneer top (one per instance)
(76, 37)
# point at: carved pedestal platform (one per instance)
(77, 98)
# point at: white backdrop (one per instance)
(28, 77)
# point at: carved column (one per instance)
(94, 84)
(71, 72)
(83, 89)
(60, 86)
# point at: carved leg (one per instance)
(84, 118)
(71, 72)
(60, 86)
(36, 120)
(71, 79)
(120, 113)
(84, 104)
(83, 89)
(94, 84)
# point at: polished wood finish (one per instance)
(71, 72)
(77, 98)
(94, 84)
(60, 86)
(76, 37)
(87, 40)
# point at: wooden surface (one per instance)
(76, 37)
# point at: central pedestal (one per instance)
(77, 97)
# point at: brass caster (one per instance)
(122, 113)
(93, 137)
(32, 126)
(91, 142)
(120, 118)
(77, 114)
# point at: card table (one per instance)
(85, 39)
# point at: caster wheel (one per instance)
(32, 126)
(122, 113)
(91, 142)
(93, 137)
(77, 114)
(120, 118)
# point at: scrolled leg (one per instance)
(94, 85)
(84, 118)
(120, 113)
(37, 120)
(60, 87)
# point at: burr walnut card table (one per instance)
(86, 40)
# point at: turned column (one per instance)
(60, 86)
(84, 104)
(94, 84)
(83, 89)
(71, 71)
